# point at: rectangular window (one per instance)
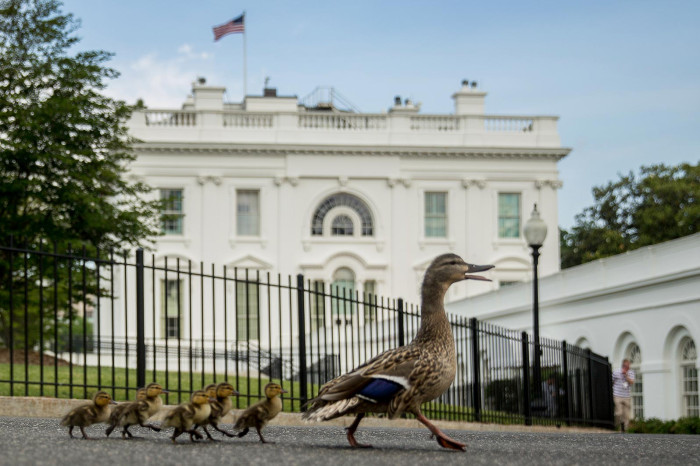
(370, 300)
(171, 307)
(172, 215)
(317, 304)
(637, 394)
(247, 311)
(248, 212)
(509, 215)
(690, 390)
(435, 215)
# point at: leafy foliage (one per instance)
(658, 205)
(684, 425)
(64, 150)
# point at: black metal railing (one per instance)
(72, 322)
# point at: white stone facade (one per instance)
(643, 305)
(295, 157)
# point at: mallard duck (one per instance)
(185, 416)
(118, 410)
(402, 379)
(88, 414)
(221, 405)
(259, 414)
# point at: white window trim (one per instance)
(520, 240)
(175, 237)
(448, 240)
(234, 237)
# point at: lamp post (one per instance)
(535, 232)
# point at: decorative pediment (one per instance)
(250, 261)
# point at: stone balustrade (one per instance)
(389, 129)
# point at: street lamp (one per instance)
(535, 232)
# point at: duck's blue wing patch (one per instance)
(380, 390)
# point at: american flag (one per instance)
(232, 27)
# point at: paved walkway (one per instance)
(25, 441)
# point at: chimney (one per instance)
(469, 100)
(207, 97)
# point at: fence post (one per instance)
(476, 369)
(591, 398)
(567, 385)
(140, 324)
(526, 379)
(611, 402)
(402, 337)
(303, 389)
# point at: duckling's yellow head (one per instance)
(102, 399)
(211, 390)
(141, 394)
(200, 397)
(154, 389)
(273, 389)
(225, 389)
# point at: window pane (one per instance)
(248, 213)
(342, 226)
(247, 311)
(172, 213)
(342, 199)
(370, 300)
(509, 215)
(317, 304)
(171, 293)
(343, 292)
(435, 218)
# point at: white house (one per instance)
(362, 200)
(643, 305)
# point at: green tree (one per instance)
(64, 149)
(659, 204)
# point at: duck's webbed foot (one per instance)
(228, 434)
(211, 439)
(243, 432)
(82, 431)
(442, 439)
(350, 432)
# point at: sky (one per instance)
(623, 76)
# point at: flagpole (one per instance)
(245, 65)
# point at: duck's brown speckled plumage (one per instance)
(426, 366)
(88, 414)
(185, 416)
(221, 394)
(262, 412)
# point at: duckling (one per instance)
(220, 407)
(186, 415)
(118, 411)
(259, 414)
(155, 402)
(402, 379)
(88, 414)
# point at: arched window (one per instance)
(634, 354)
(689, 377)
(366, 226)
(342, 226)
(343, 294)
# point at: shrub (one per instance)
(684, 425)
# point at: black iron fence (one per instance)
(73, 321)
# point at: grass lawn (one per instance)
(121, 383)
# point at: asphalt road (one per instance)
(44, 442)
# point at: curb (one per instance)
(56, 408)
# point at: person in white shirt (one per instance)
(623, 379)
